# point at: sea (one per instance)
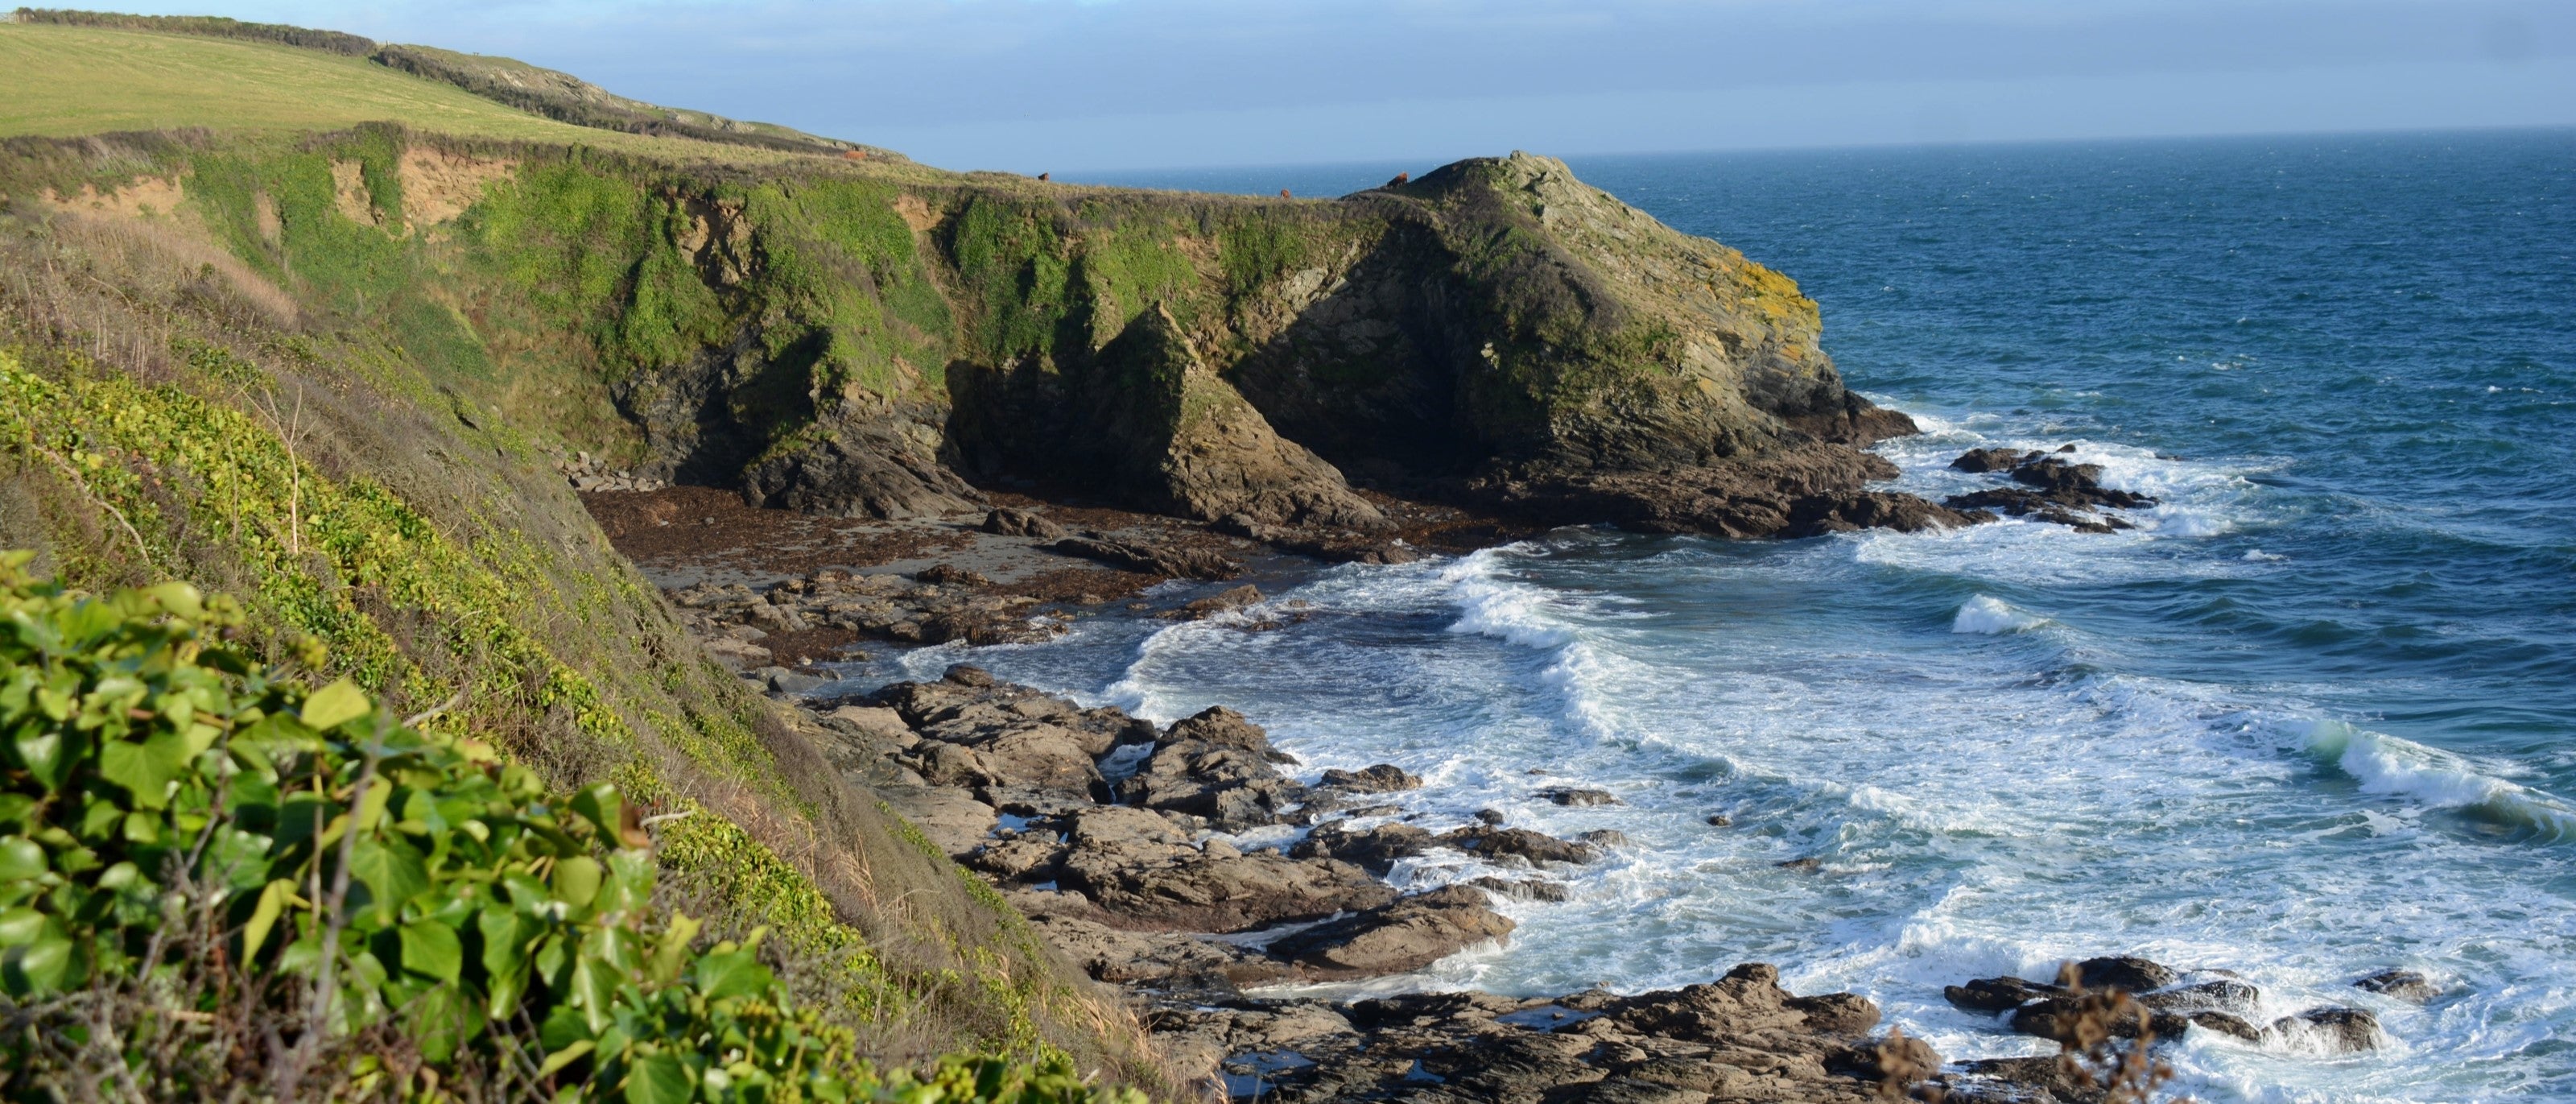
(2314, 717)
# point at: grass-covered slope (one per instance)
(312, 427)
(506, 81)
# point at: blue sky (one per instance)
(1090, 85)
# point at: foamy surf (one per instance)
(1985, 615)
(2386, 764)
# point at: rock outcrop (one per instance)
(1496, 333)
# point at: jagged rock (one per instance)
(1010, 522)
(2049, 1075)
(1494, 842)
(1382, 778)
(1143, 873)
(1215, 765)
(1406, 935)
(861, 469)
(2405, 985)
(950, 575)
(1568, 795)
(1376, 849)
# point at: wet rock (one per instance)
(1489, 816)
(2226, 1024)
(1568, 795)
(1524, 889)
(2334, 1030)
(1997, 994)
(1375, 849)
(1382, 778)
(1720, 820)
(1494, 842)
(2127, 972)
(1991, 459)
(1009, 522)
(1019, 856)
(1399, 937)
(2405, 985)
(2060, 1019)
(1605, 838)
(2222, 995)
(1808, 865)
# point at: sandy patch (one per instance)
(438, 185)
(144, 198)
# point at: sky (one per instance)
(1092, 85)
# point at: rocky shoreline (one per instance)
(1193, 865)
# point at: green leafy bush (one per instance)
(210, 877)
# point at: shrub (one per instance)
(212, 878)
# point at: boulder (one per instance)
(2125, 972)
(1569, 795)
(955, 822)
(2333, 1030)
(1991, 459)
(1997, 994)
(2404, 985)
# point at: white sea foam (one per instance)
(1989, 616)
(2386, 764)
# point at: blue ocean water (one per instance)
(2314, 718)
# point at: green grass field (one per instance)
(67, 81)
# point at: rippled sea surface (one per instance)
(2315, 717)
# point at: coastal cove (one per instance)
(2253, 735)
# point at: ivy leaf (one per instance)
(41, 751)
(392, 872)
(432, 949)
(39, 967)
(731, 974)
(331, 705)
(673, 949)
(145, 769)
(577, 881)
(505, 957)
(658, 1079)
(602, 806)
(21, 859)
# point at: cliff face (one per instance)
(1497, 332)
